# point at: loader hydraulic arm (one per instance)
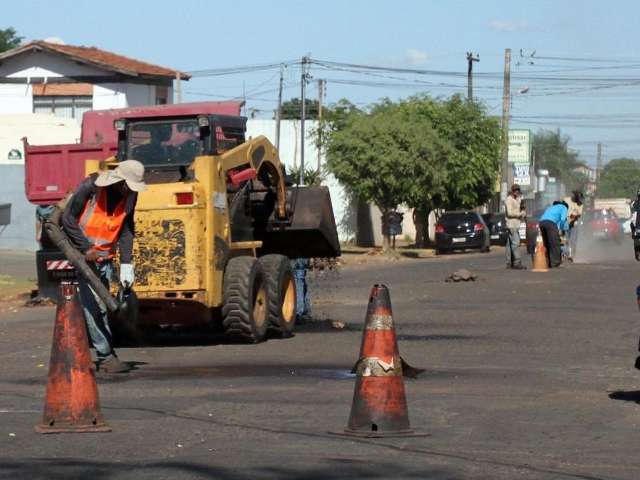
(260, 154)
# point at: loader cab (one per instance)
(167, 146)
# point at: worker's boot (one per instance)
(113, 365)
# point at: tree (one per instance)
(552, 153)
(292, 109)
(466, 176)
(9, 39)
(619, 178)
(421, 152)
(375, 154)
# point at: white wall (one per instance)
(123, 95)
(40, 130)
(15, 98)
(44, 64)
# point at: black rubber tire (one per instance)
(244, 291)
(281, 293)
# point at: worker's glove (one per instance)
(126, 275)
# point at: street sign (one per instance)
(521, 175)
(520, 147)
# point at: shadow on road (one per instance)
(627, 396)
(68, 469)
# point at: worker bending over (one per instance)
(552, 221)
(97, 219)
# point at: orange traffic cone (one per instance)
(379, 406)
(71, 403)
(540, 256)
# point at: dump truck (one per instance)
(218, 224)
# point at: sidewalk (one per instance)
(17, 273)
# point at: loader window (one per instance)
(164, 144)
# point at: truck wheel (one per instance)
(281, 293)
(244, 312)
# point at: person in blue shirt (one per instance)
(552, 221)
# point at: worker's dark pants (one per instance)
(551, 238)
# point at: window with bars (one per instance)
(72, 106)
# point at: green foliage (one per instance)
(619, 178)
(311, 177)
(9, 39)
(292, 109)
(419, 151)
(552, 153)
(473, 161)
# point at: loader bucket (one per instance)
(311, 231)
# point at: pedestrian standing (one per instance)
(552, 221)
(98, 220)
(515, 213)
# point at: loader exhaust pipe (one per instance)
(59, 237)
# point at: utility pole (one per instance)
(470, 60)
(321, 83)
(279, 110)
(598, 165)
(506, 103)
(178, 88)
(303, 85)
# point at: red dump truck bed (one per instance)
(53, 170)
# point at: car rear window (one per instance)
(455, 218)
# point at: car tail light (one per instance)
(184, 198)
(439, 228)
(478, 227)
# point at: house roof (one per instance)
(98, 58)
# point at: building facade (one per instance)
(45, 88)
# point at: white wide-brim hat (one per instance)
(131, 171)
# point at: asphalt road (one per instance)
(529, 375)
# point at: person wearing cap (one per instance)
(98, 221)
(515, 214)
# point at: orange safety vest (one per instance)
(100, 228)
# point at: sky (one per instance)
(575, 64)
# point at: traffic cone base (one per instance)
(379, 407)
(71, 403)
(540, 256)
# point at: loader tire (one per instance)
(244, 311)
(281, 293)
